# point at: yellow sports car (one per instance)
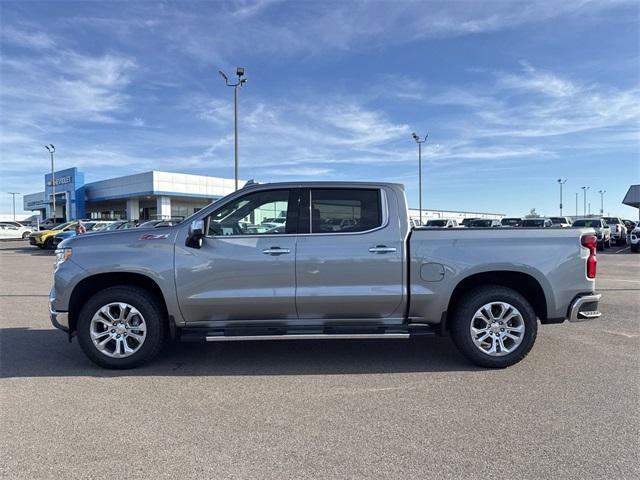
(44, 238)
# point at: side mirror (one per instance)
(196, 234)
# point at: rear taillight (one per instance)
(591, 242)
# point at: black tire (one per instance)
(635, 248)
(25, 235)
(600, 246)
(463, 315)
(146, 304)
(48, 244)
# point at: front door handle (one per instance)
(382, 249)
(276, 251)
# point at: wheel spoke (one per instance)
(518, 328)
(503, 349)
(135, 336)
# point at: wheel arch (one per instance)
(523, 283)
(89, 286)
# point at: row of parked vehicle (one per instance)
(51, 237)
(609, 230)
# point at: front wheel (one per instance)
(48, 244)
(494, 326)
(121, 327)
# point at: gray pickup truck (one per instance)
(343, 264)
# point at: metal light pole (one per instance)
(561, 183)
(51, 149)
(13, 194)
(420, 142)
(241, 81)
(576, 204)
(584, 191)
(602, 192)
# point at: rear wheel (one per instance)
(494, 326)
(121, 327)
(48, 244)
(600, 246)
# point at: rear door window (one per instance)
(345, 210)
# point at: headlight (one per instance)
(62, 255)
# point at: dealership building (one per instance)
(141, 196)
(152, 195)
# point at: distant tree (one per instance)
(532, 214)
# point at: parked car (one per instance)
(442, 223)
(618, 230)
(381, 280)
(122, 225)
(603, 232)
(634, 239)
(537, 223)
(91, 227)
(484, 223)
(15, 230)
(466, 221)
(630, 224)
(44, 238)
(50, 223)
(511, 222)
(562, 222)
(157, 224)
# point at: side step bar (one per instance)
(241, 334)
(305, 336)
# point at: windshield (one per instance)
(480, 223)
(533, 223)
(556, 220)
(511, 222)
(113, 226)
(437, 223)
(588, 223)
(611, 220)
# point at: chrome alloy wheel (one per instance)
(497, 329)
(118, 330)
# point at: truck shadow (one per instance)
(46, 353)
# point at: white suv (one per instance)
(634, 239)
(618, 230)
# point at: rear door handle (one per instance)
(276, 251)
(382, 249)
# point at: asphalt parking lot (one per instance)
(343, 409)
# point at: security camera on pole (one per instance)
(241, 81)
(602, 192)
(561, 183)
(420, 142)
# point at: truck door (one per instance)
(350, 259)
(245, 269)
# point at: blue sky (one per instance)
(513, 94)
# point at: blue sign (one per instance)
(69, 188)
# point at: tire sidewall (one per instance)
(463, 316)
(153, 317)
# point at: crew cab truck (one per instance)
(214, 278)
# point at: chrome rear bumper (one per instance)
(585, 308)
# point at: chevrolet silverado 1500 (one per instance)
(344, 264)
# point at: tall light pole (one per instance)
(576, 204)
(13, 194)
(584, 191)
(420, 142)
(51, 149)
(602, 192)
(561, 183)
(241, 81)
